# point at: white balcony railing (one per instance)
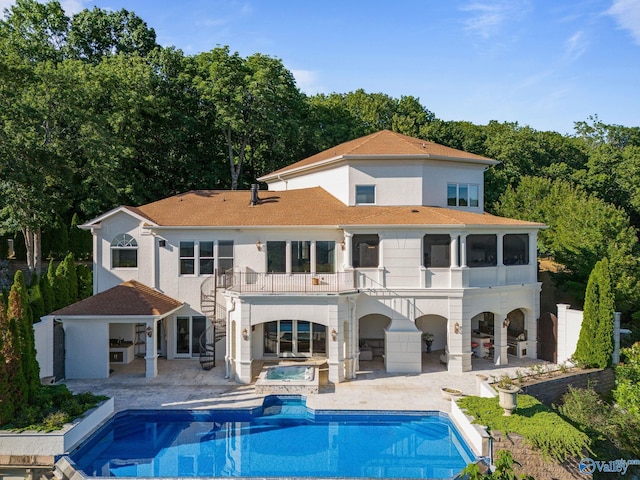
(270, 283)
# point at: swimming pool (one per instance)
(283, 438)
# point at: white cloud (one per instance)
(308, 81)
(627, 15)
(575, 45)
(486, 19)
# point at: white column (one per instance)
(347, 262)
(500, 346)
(312, 255)
(453, 252)
(500, 250)
(533, 255)
(463, 250)
(97, 259)
(151, 356)
(287, 255)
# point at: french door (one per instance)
(188, 331)
(294, 338)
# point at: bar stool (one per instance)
(489, 347)
(474, 348)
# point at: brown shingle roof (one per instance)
(301, 207)
(128, 298)
(383, 144)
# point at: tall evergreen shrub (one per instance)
(7, 365)
(595, 343)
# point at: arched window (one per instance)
(124, 252)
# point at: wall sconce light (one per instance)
(456, 328)
(245, 334)
(334, 334)
(342, 244)
(162, 243)
(506, 323)
(259, 245)
(149, 331)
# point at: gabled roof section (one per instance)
(130, 298)
(133, 211)
(301, 207)
(384, 144)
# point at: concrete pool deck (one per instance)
(183, 384)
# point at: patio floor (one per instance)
(181, 383)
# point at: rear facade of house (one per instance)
(362, 251)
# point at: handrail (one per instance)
(256, 282)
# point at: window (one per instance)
(225, 255)
(187, 258)
(365, 194)
(365, 250)
(437, 251)
(515, 248)
(300, 256)
(124, 252)
(482, 250)
(206, 258)
(325, 257)
(277, 257)
(294, 337)
(462, 195)
(203, 255)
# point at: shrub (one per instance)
(541, 427)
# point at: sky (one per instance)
(542, 63)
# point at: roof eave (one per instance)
(339, 158)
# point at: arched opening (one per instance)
(433, 327)
(483, 329)
(371, 335)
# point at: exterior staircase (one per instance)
(212, 304)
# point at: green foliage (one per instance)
(52, 407)
(627, 391)
(20, 312)
(36, 302)
(48, 296)
(582, 230)
(613, 431)
(595, 343)
(80, 241)
(85, 281)
(504, 469)
(540, 426)
(6, 388)
(66, 275)
(4, 248)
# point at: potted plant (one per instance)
(450, 393)
(507, 392)
(428, 340)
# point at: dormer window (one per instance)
(365, 194)
(124, 252)
(462, 195)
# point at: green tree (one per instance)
(67, 270)
(48, 296)
(95, 34)
(85, 281)
(254, 101)
(9, 358)
(595, 343)
(20, 312)
(627, 391)
(582, 230)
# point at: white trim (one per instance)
(121, 209)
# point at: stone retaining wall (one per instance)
(550, 391)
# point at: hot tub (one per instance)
(288, 379)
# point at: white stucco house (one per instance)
(349, 255)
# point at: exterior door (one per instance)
(548, 337)
(188, 331)
(58, 351)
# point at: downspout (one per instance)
(227, 359)
(286, 182)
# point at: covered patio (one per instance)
(114, 327)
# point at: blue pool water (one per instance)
(281, 438)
